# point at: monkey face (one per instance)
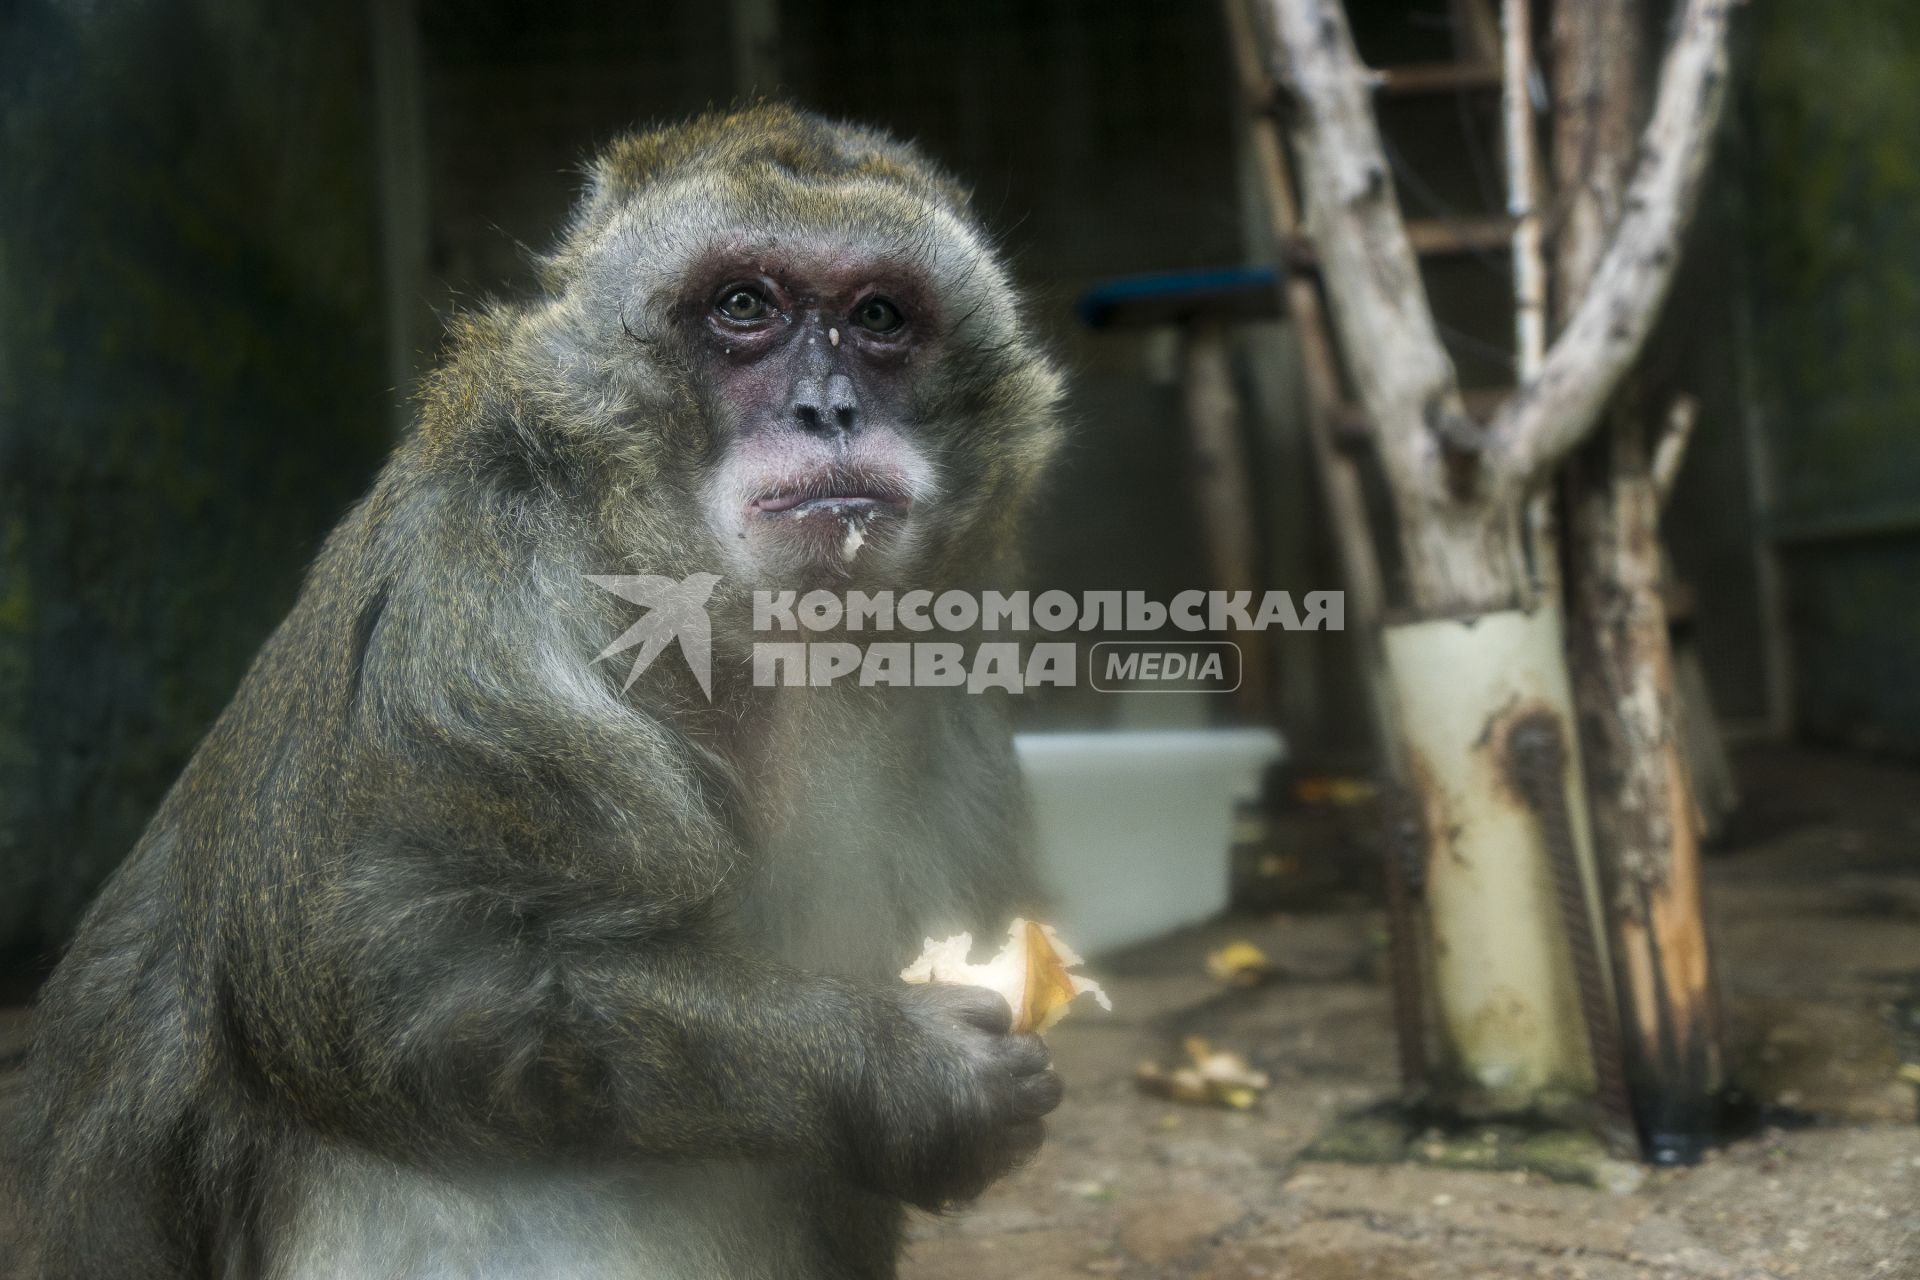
(803, 338)
(827, 456)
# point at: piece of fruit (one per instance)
(1032, 973)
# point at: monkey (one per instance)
(454, 952)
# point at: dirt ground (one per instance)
(1817, 906)
(1816, 899)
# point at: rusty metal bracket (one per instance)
(1535, 759)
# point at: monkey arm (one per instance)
(498, 920)
(474, 1024)
(455, 988)
(476, 1029)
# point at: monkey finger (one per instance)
(1026, 1055)
(1036, 1095)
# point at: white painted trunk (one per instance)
(1508, 1004)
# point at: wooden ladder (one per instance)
(1336, 426)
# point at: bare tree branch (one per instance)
(1458, 488)
(1671, 448)
(1401, 372)
(1611, 323)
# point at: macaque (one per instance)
(451, 954)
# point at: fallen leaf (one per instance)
(1338, 791)
(1239, 964)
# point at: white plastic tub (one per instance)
(1134, 828)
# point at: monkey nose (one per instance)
(826, 406)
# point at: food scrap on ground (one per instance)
(1239, 964)
(1336, 791)
(1215, 1077)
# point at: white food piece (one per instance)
(1029, 973)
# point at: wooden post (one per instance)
(1645, 819)
(1223, 494)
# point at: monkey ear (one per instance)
(634, 159)
(615, 174)
(607, 180)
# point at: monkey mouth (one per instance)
(833, 514)
(849, 498)
(851, 509)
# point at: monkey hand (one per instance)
(955, 1100)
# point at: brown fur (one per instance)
(440, 937)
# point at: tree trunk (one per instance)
(1645, 820)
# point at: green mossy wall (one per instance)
(1834, 203)
(191, 391)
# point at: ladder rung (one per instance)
(1438, 77)
(1439, 237)
(1430, 237)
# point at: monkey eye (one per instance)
(877, 315)
(743, 305)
